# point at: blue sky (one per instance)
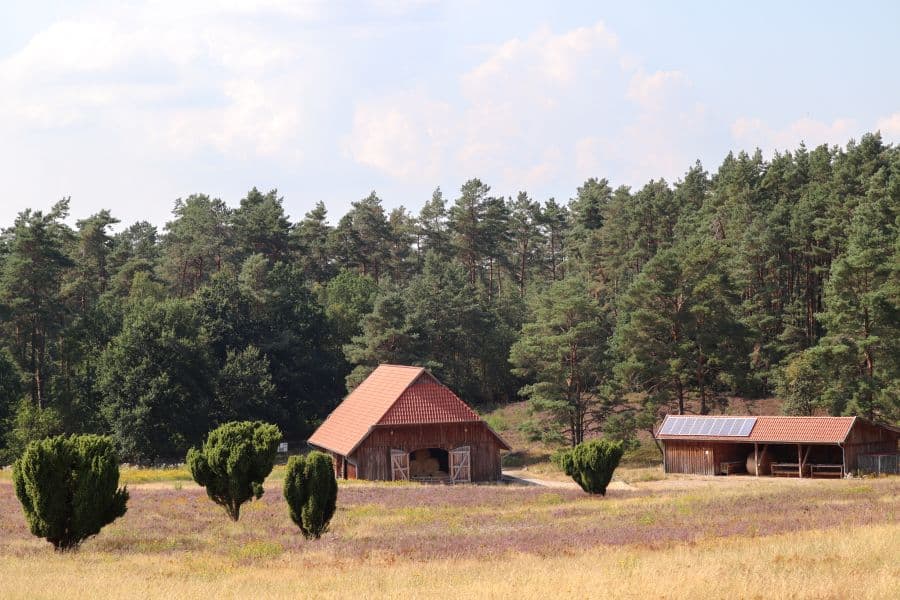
(131, 105)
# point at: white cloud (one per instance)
(654, 91)
(515, 121)
(405, 135)
(890, 127)
(540, 110)
(183, 83)
(755, 132)
(544, 58)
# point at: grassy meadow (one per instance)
(658, 537)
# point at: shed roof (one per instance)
(391, 395)
(778, 429)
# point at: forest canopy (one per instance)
(767, 277)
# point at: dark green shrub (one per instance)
(234, 461)
(69, 487)
(311, 492)
(591, 464)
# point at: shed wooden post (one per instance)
(756, 459)
(799, 461)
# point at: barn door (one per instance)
(707, 461)
(399, 465)
(460, 464)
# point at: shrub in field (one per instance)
(311, 492)
(591, 464)
(234, 461)
(69, 487)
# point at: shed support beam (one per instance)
(756, 459)
(800, 461)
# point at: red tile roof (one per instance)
(788, 430)
(802, 429)
(350, 422)
(391, 395)
(427, 401)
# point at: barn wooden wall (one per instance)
(373, 461)
(701, 458)
(866, 438)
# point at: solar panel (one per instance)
(708, 426)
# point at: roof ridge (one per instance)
(435, 381)
(764, 416)
(391, 405)
(354, 417)
(400, 395)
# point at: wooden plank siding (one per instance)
(702, 458)
(373, 459)
(865, 438)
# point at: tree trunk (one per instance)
(679, 388)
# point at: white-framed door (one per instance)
(461, 464)
(399, 465)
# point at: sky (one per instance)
(131, 105)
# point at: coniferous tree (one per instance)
(29, 292)
(564, 350)
(312, 241)
(198, 242)
(862, 315)
(259, 226)
(433, 234)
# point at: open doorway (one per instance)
(429, 463)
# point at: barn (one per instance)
(772, 445)
(401, 423)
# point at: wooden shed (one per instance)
(401, 423)
(771, 445)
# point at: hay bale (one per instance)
(765, 463)
(422, 465)
(430, 467)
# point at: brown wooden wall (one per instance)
(866, 438)
(701, 458)
(372, 458)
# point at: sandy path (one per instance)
(522, 477)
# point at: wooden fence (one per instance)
(879, 463)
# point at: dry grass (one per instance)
(669, 538)
(856, 563)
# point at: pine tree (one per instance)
(312, 241)
(260, 226)
(564, 350)
(862, 315)
(29, 290)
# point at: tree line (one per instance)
(766, 277)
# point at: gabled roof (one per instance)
(777, 429)
(350, 422)
(391, 395)
(427, 401)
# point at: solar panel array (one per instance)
(715, 426)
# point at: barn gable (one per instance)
(392, 395)
(428, 401)
(351, 421)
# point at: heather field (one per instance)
(735, 537)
